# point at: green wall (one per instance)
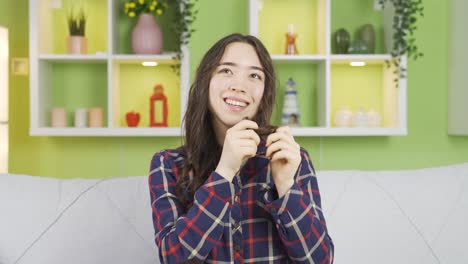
(427, 142)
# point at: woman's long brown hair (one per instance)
(201, 147)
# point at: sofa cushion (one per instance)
(404, 216)
(75, 221)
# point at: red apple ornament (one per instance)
(133, 118)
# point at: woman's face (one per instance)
(236, 86)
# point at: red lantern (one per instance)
(158, 107)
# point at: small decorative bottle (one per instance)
(291, 48)
(290, 107)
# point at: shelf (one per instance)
(175, 131)
(299, 58)
(132, 86)
(309, 85)
(72, 58)
(52, 28)
(136, 59)
(327, 131)
(373, 83)
(369, 58)
(108, 76)
(326, 81)
(106, 132)
(308, 18)
(70, 85)
(351, 15)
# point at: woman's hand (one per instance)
(285, 156)
(240, 143)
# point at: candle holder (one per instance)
(158, 107)
(59, 117)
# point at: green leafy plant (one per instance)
(404, 26)
(77, 23)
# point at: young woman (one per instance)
(226, 195)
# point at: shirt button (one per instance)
(236, 226)
(237, 247)
(236, 199)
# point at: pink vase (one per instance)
(77, 45)
(146, 36)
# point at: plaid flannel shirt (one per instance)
(243, 221)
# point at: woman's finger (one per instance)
(279, 145)
(247, 134)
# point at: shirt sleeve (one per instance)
(299, 218)
(181, 236)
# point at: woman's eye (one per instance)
(256, 76)
(225, 70)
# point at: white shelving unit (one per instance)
(46, 62)
(393, 99)
(45, 59)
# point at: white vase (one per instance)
(373, 118)
(360, 118)
(343, 117)
(147, 37)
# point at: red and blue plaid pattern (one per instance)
(242, 221)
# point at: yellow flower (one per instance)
(141, 2)
(131, 4)
(131, 14)
(159, 11)
(151, 8)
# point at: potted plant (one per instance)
(147, 37)
(184, 16)
(76, 41)
(403, 19)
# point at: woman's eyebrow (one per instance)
(235, 65)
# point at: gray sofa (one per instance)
(406, 216)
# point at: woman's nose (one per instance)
(238, 85)
(237, 88)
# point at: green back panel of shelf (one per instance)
(356, 87)
(352, 14)
(96, 25)
(126, 24)
(77, 85)
(275, 17)
(136, 87)
(306, 78)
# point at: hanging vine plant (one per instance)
(404, 26)
(184, 17)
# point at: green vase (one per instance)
(367, 34)
(342, 40)
(358, 47)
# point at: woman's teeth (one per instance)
(235, 103)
